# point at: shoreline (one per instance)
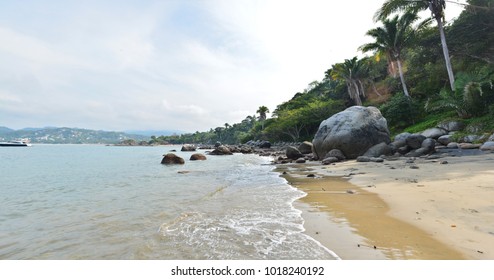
(408, 208)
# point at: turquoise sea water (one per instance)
(104, 202)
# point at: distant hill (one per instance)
(4, 129)
(65, 135)
(156, 133)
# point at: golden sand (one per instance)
(431, 211)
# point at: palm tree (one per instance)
(352, 71)
(468, 97)
(436, 7)
(390, 39)
(262, 111)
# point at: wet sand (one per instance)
(425, 209)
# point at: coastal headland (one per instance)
(402, 208)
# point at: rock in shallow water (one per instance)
(171, 158)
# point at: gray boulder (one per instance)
(293, 153)
(352, 131)
(398, 144)
(363, 159)
(418, 152)
(221, 150)
(434, 132)
(188, 148)
(265, 145)
(335, 153)
(379, 150)
(403, 150)
(305, 147)
(445, 139)
(452, 145)
(246, 150)
(197, 157)
(402, 136)
(172, 158)
(487, 146)
(429, 144)
(414, 141)
(330, 160)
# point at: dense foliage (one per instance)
(431, 92)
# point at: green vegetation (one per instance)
(398, 48)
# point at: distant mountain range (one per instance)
(65, 135)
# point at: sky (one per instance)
(187, 65)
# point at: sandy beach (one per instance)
(441, 208)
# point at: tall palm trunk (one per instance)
(402, 78)
(446, 53)
(357, 99)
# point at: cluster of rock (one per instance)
(359, 133)
(172, 158)
(217, 150)
(259, 144)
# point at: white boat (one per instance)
(16, 143)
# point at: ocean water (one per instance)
(105, 202)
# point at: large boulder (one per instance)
(402, 136)
(305, 147)
(352, 131)
(445, 139)
(379, 150)
(293, 153)
(265, 145)
(188, 148)
(434, 132)
(172, 158)
(414, 141)
(221, 150)
(335, 153)
(487, 146)
(198, 156)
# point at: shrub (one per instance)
(401, 111)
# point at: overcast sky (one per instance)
(183, 65)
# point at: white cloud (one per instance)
(187, 65)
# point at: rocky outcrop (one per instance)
(352, 131)
(445, 139)
(188, 148)
(221, 150)
(198, 157)
(329, 160)
(434, 132)
(487, 146)
(172, 158)
(402, 136)
(265, 145)
(336, 154)
(414, 141)
(293, 153)
(305, 148)
(379, 150)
